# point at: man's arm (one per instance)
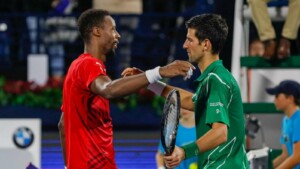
(159, 160)
(61, 129)
(107, 88)
(162, 89)
(279, 159)
(292, 160)
(186, 101)
(213, 138)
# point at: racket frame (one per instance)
(170, 149)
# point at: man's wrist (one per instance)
(161, 167)
(153, 75)
(157, 87)
(191, 150)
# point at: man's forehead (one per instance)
(109, 21)
(191, 32)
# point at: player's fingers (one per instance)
(188, 75)
(185, 64)
(169, 164)
(127, 71)
(137, 70)
(168, 158)
(190, 66)
(186, 67)
(173, 163)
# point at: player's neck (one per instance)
(95, 52)
(206, 61)
(291, 110)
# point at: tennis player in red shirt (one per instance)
(86, 126)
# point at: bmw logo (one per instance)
(23, 137)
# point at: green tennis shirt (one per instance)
(218, 99)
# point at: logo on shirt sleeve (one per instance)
(286, 138)
(215, 104)
(100, 66)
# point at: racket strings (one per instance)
(170, 120)
(171, 124)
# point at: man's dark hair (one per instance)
(297, 101)
(89, 19)
(296, 98)
(212, 27)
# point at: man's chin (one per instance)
(191, 60)
(111, 53)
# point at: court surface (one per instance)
(134, 149)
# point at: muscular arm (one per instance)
(185, 97)
(293, 160)
(107, 88)
(279, 159)
(61, 129)
(213, 138)
(159, 159)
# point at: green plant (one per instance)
(50, 96)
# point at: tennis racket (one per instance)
(169, 121)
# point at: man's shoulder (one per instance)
(297, 115)
(82, 60)
(222, 76)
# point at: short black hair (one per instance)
(89, 19)
(212, 27)
(297, 101)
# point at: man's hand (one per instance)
(176, 68)
(175, 158)
(131, 71)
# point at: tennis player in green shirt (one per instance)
(217, 102)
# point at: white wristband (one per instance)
(157, 87)
(65, 167)
(153, 75)
(161, 167)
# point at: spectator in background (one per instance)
(59, 30)
(22, 30)
(256, 48)
(186, 134)
(287, 99)
(266, 30)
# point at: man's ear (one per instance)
(291, 97)
(97, 31)
(207, 44)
